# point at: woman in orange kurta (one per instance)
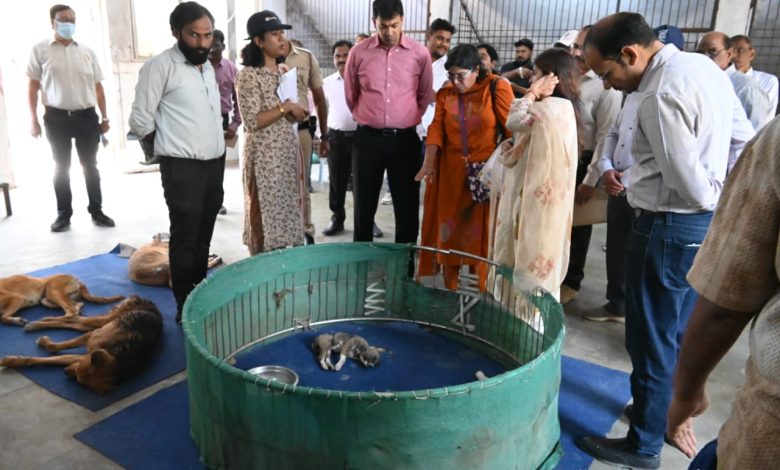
(452, 220)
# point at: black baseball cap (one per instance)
(263, 21)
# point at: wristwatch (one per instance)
(104, 119)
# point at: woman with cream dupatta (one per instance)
(533, 213)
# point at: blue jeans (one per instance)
(659, 303)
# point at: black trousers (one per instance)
(62, 127)
(580, 236)
(399, 154)
(620, 222)
(339, 169)
(193, 192)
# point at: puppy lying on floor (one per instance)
(149, 265)
(119, 344)
(348, 346)
(61, 290)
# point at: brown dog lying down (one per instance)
(119, 344)
(61, 290)
(149, 264)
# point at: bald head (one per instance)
(717, 46)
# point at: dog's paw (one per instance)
(324, 365)
(36, 325)
(44, 342)
(11, 361)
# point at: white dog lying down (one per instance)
(348, 346)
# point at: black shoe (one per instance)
(333, 228)
(617, 452)
(378, 233)
(309, 239)
(222, 210)
(606, 313)
(310, 189)
(61, 223)
(102, 220)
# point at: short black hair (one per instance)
(58, 8)
(525, 42)
(440, 24)
(624, 29)
(466, 56)
(742, 37)
(341, 43)
(387, 8)
(491, 51)
(218, 36)
(186, 13)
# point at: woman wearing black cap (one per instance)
(273, 180)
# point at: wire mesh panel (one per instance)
(320, 23)
(502, 22)
(765, 33)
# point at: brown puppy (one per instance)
(149, 264)
(119, 344)
(61, 290)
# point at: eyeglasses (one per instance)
(740, 50)
(712, 53)
(461, 77)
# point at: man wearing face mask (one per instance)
(68, 76)
(177, 108)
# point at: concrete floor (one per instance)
(37, 426)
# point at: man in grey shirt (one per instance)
(177, 108)
(680, 147)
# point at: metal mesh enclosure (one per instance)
(320, 23)
(502, 22)
(238, 419)
(765, 33)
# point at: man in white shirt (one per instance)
(718, 47)
(177, 107)
(744, 54)
(613, 164)
(599, 110)
(680, 149)
(438, 39)
(341, 134)
(68, 76)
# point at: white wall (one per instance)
(6, 172)
(733, 17)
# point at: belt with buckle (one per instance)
(388, 132)
(69, 112)
(342, 133)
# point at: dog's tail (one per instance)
(84, 292)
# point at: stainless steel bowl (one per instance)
(278, 373)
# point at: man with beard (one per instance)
(177, 107)
(439, 36)
(599, 109)
(521, 70)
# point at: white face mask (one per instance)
(65, 30)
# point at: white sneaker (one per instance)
(387, 199)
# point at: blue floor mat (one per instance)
(438, 361)
(591, 400)
(105, 275)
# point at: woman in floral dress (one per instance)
(273, 179)
(534, 213)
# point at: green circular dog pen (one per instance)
(239, 421)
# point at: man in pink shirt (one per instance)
(225, 72)
(388, 84)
